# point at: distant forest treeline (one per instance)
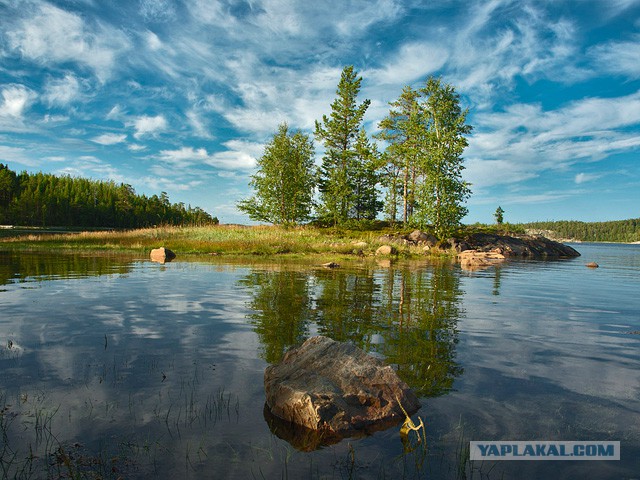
(613, 231)
(47, 200)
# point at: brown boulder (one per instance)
(474, 260)
(162, 255)
(386, 250)
(337, 388)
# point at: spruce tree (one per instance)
(340, 133)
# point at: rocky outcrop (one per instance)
(524, 246)
(336, 388)
(162, 255)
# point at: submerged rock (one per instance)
(592, 265)
(336, 388)
(474, 260)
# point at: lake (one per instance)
(117, 367)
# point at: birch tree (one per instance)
(285, 180)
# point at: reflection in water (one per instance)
(408, 316)
(35, 266)
(150, 371)
(281, 309)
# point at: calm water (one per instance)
(119, 367)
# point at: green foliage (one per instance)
(499, 215)
(403, 129)
(284, 182)
(613, 231)
(347, 179)
(426, 131)
(443, 192)
(48, 200)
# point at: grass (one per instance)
(219, 240)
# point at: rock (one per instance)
(386, 250)
(360, 244)
(592, 265)
(331, 265)
(421, 238)
(474, 260)
(526, 246)
(337, 388)
(162, 255)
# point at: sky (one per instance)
(181, 96)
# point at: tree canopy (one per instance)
(284, 182)
(348, 177)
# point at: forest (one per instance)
(46, 200)
(612, 231)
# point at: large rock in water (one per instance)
(526, 246)
(162, 255)
(336, 387)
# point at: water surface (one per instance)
(117, 366)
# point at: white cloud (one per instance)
(415, 60)
(585, 177)
(109, 138)
(239, 155)
(157, 10)
(48, 34)
(198, 124)
(62, 91)
(15, 100)
(146, 125)
(18, 155)
(524, 140)
(618, 57)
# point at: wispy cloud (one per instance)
(47, 34)
(110, 138)
(525, 140)
(18, 155)
(586, 177)
(621, 58)
(146, 125)
(239, 155)
(62, 91)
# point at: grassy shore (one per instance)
(216, 240)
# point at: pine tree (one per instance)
(340, 133)
(284, 182)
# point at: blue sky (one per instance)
(181, 96)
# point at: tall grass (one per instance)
(216, 240)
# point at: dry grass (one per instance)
(221, 239)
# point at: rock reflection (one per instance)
(308, 440)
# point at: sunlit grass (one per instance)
(220, 240)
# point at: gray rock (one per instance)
(421, 238)
(335, 387)
(526, 246)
